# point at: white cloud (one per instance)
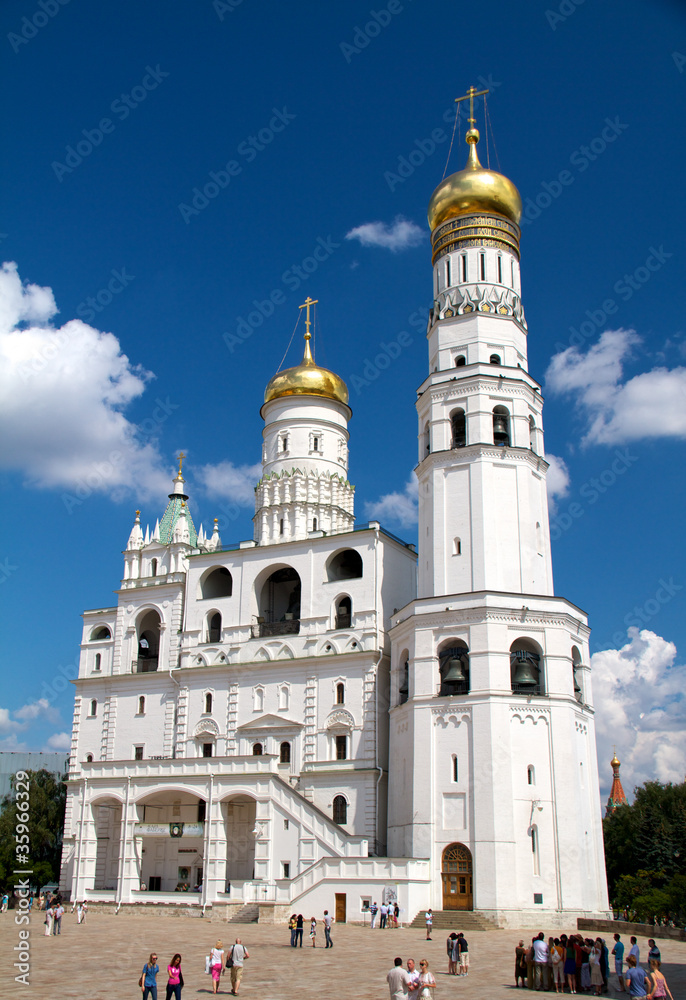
(13, 744)
(7, 724)
(557, 480)
(399, 236)
(62, 393)
(227, 481)
(34, 709)
(58, 741)
(649, 405)
(640, 710)
(401, 506)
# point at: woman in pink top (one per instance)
(175, 981)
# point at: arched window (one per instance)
(453, 667)
(314, 523)
(153, 567)
(534, 849)
(345, 565)
(344, 612)
(257, 699)
(283, 442)
(340, 694)
(279, 603)
(89, 758)
(494, 359)
(341, 746)
(340, 810)
(98, 661)
(404, 689)
(530, 775)
(257, 750)
(284, 697)
(281, 526)
(100, 633)
(576, 673)
(532, 433)
(141, 705)
(208, 704)
(500, 270)
(427, 439)
(148, 642)
(315, 444)
(460, 361)
(285, 753)
(93, 708)
(501, 427)
(455, 768)
(525, 667)
(218, 583)
(458, 423)
(214, 631)
(457, 547)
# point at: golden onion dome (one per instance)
(307, 379)
(474, 190)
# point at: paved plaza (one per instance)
(104, 958)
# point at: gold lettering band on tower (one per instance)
(475, 230)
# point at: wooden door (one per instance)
(340, 907)
(456, 876)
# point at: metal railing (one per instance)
(261, 630)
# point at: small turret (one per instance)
(215, 542)
(136, 537)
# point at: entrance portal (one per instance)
(456, 875)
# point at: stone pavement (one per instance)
(103, 959)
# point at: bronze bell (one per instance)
(526, 674)
(455, 673)
(501, 433)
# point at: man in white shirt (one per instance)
(540, 961)
(328, 920)
(398, 981)
(634, 950)
(373, 909)
(383, 914)
(414, 976)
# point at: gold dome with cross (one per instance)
(307, 378)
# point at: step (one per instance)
(455, 920)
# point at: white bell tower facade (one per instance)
(493, 772)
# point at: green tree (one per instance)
(47, 798)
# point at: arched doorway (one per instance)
(456, 876)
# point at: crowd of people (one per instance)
(576, 964)
(217, 963)
(388, 914)
(410, 982)
(296, 925)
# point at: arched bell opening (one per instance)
(280, 603)
(576, 673)
(458, 423)
(404, 685)
(148, 642)
(453, 668)
(501, 427)
(526, 667)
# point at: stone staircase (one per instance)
(236, 913)
(466, 921)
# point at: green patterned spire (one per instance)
(173, 511)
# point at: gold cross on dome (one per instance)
(306, 305)
(471, 94)
(181, 457)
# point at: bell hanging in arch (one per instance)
(455, 673)
(526, 674)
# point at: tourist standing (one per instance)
(463, 952)
(557, 956)
(396, 914)
(384, 916)
(313, 931)
(373, 909)
(216, 965)
(292, 925)
(49, 916)
(398, 981)
(426, 981)
(635, 978)
(659, 983)
(654, 952)
(520, 964)
(570, 964)
(429, 920)
(540, 960)
(328, 920)
(414, 976)
(618, 952)
(453, 953)
(81, 911)
(634, 951)
(148, 980)
(174, 978)
(58, 913)
(239, 954)
(299, 928)
(594, 966)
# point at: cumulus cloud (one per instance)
(401, 506)
(63, 391)
(401, 235)
(649, 405)
(557, 480)
(7, 724)
(226, 481)
(58, 741)
(640, 709)
(36, 709)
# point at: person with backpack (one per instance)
(237, 957)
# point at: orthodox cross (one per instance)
(306, 305)
(181, 457)
(471, 94)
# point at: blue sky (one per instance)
(309, 121)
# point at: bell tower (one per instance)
(491, 703)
